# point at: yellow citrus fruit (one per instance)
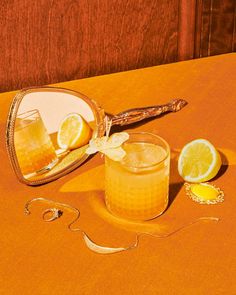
(199, 161)
(73, 132)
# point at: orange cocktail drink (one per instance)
(137, 186)
(34, 149)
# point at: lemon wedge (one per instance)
(199, 161)
(73, 132)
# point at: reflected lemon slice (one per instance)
(73, 132)
(199, 161)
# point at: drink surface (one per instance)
(143, 155)
(137, 187)
(34, 148)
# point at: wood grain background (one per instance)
(47, 41)
(215, 27)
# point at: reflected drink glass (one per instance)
(34, 149)
(137, 187)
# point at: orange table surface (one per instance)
(46, 258)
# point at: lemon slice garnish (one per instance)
(199, 161)
(110, 146)
(73, 132)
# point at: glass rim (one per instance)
(22, 123)
(167, 149)
(28, 114)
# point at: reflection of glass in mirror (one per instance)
(34, 149)
(69, 122)
(55, 106)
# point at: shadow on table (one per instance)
(176, 182)
(92, 179)
(88, 190)
(173, 191)
(224, 167)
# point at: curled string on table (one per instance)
(51, 214)
(55, 213)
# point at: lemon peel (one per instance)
(110, 146)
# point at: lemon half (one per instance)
(73, 132)
(199, 161)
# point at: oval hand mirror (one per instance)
(41, 129)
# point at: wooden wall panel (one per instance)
(48, 41)
(215, 27)
(186, 29)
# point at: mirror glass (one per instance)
(50, 133)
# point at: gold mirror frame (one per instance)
(124, 118)
(99, 116)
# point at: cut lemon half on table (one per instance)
(199, 161)
(73, 132)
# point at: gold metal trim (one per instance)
(195, 198)
(99, 115)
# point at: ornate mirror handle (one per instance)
(137, 114)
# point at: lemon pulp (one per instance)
(199, 161)
(73, 132)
